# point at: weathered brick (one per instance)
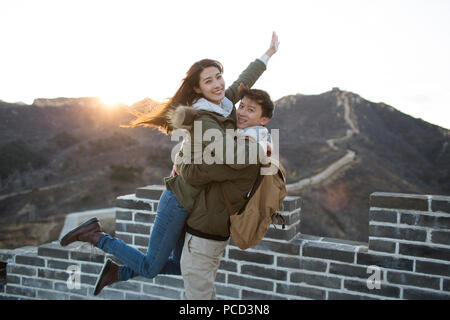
(111, 294)
(302, 263)
(383, 216)
(228, 265)
(153, 192)
(317, 250)
(161, 291)
(91, 268)
(440, 204)
(316, 280)
(446, 285)
(342, 243)
(5, 255)
(227, 291)
(384, 261)
(134, 203)
(397, 233)
(220, 277)
(144, 279)
(291, 217)
(290, 203)
(52, 274)
(425, 220)
(31, 261)
(250, 256)
(90, 280)
(417, 294)
(280, 247)
(413, 280)
(127, 286)
(442, 237)
(75, 297)
(21, 270)
(53, 252)
(20, 291)
(399, 201)
(37, 283)
(433, 268)
(263, 272)
(141, 241)
(381, 245)
(52, 295)
(169, 281)
(12, 279)
(133, 296)
(301, 291)
(144, 217)
(349, 270)
(133, 228)
(282, 234)
(125, 237)
(64, 288)
(251, 295)
(124, 215)
(424, 251)
(361, 286)
(250, 282)
(56, 264)
(87, 256)
(333, 295)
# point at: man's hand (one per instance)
(174, 171)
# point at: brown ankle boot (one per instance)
(88, 232)
(108, 275)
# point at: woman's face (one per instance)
(211, 85)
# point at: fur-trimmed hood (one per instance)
(182, 117)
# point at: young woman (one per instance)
(203, 88)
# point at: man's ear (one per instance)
(264, 120)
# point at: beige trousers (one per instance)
(199, 263)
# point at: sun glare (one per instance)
(113, 100)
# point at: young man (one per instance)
(208, 223)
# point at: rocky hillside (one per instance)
(63, 155)
(69, 157)
(339, 148)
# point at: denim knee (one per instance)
(150, 270)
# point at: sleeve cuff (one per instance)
(265, 59)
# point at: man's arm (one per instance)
(199, 174)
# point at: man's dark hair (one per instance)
(259, 96)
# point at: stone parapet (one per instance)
(407, 257)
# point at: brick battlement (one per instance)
(408, 248)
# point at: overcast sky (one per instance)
(396, 52)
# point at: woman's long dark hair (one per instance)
(158, 117)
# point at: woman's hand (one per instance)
(273, 45)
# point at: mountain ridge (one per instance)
(61, 158)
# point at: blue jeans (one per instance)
(167, 237)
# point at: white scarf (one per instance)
(225, 108)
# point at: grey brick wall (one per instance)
(407, 257)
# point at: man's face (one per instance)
(211, 85)
(249, 113)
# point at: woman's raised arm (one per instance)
(252, 73)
